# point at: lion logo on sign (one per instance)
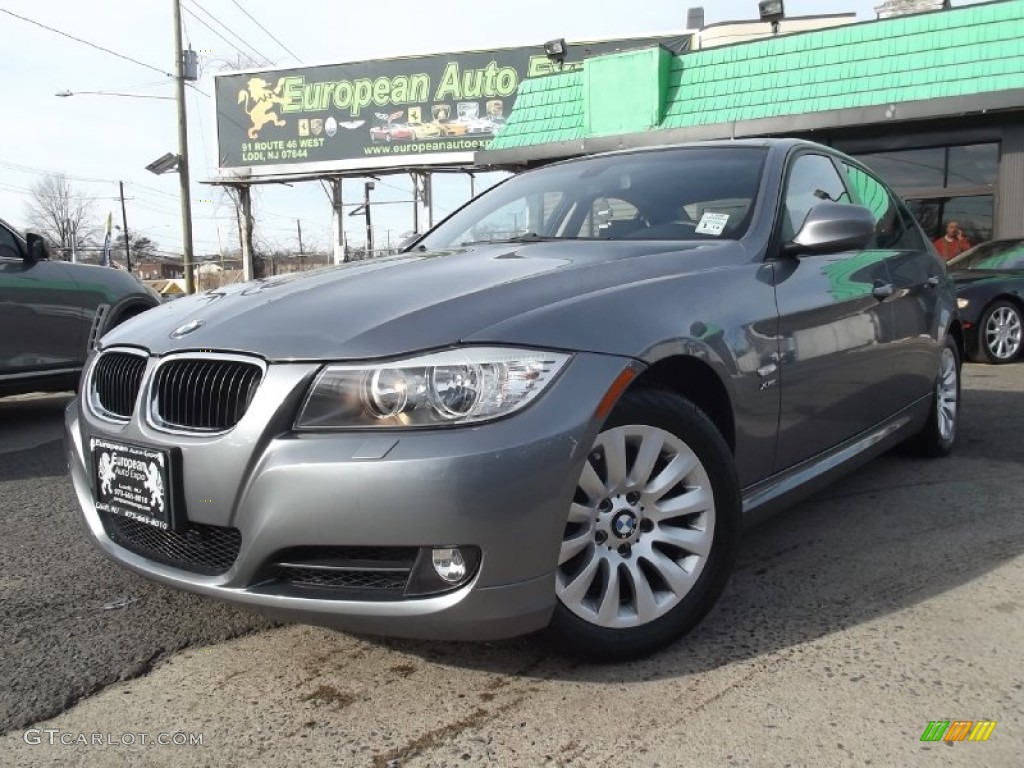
(155, 485)
(107, 474)
(259, 99)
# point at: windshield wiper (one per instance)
(526, 237)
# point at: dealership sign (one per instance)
(410, 112)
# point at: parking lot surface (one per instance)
(887, 601)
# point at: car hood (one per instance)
(399, 304)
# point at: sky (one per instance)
(98, 140)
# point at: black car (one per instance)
(989, 281)
(52, 312)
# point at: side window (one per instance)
(894, 227)
(812, 179)
(8, 245)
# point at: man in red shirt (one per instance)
(953, 243)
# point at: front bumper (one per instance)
(504, 487)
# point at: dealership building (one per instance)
(933, 101)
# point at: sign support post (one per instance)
(338, 223)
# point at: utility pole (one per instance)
(338, 223)
(422, 211)
(369, 227)
(298, 224)
(415, 203)
(124, 222)
(183, 176)
(248, 267)
(70, 231)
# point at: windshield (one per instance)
(677, 194)
(998, 254)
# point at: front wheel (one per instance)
(999, 333)
(651, 535)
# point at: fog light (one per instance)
(440, 569)
(449, 564)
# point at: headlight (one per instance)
(962, 303)
(460, 386)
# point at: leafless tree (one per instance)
(60, 213)
(259, 264)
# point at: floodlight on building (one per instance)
(772, 11)
(165, 164)
(556, 49)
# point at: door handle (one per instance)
(882, 291)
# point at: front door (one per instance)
(916, 274)
(834, 321)
(40, 324)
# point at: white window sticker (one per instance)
(712, 223)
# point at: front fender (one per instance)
(726, 318)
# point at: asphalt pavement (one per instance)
(71, 622)
(889, 600)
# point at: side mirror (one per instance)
(833, 228)
(38, 250)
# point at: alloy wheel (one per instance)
(1003, 333)
(640, 529)
(947, 393)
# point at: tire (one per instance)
(938, 436)
(651, 536)
(999, 333)
(124, 315)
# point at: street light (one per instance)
(164, 164)
(65, 94)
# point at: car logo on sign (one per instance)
(187, 328)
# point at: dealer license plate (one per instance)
(133, 482)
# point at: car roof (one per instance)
(17, 232)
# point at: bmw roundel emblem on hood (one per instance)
(187, 328)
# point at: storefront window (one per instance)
(972, 165)
(914, 168)
(975, 165)
(951, 177)
(973, 214)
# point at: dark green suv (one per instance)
(51, 313)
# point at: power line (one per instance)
(202, 134)
(86, 42)
(234, 34)
(269, 33)
(218, 34)
(43, 172)
(197, 89)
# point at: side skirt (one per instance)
(784, 489)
